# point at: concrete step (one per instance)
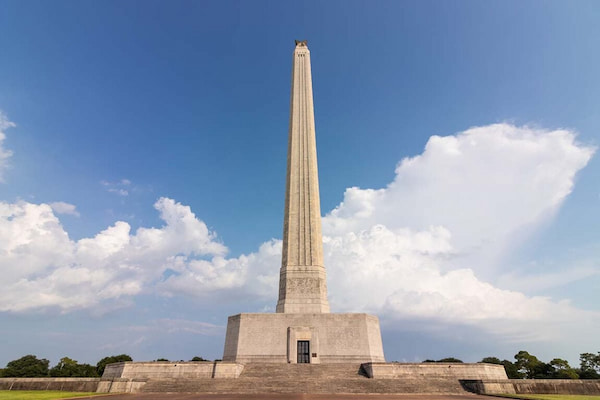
(304, 378)
(301, 370)
(279, 385)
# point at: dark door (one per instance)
(303, 352)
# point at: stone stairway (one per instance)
(305, 378)
(302, 371)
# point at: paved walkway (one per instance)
(299, 396)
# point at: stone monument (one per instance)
(302, 330)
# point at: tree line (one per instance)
(525, 366)
(30, 366)
(528, 366)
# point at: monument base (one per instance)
(303, 338)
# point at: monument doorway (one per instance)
(303, 352)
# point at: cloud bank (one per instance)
(414, 250)
(43, 268)
(485, 185)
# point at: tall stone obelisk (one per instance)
(302, 330)
(302, 282)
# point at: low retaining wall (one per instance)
(478, 371)
(500, 386)
(533, 386)
(62, 384)
(557, 386)
(120, 385)
(168, 370)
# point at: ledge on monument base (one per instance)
(170, 370)
(328, 338)
(468, 371)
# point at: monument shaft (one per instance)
(302, 330)
(302, 284)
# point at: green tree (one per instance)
(198, 359)
(449, 360)
(587, 374)
(512, 372)
(562, 369)
(491, 360)
(87, 371)
(589, 366)
(67, 367)
(543, 371)
(528, 364)
(109, 360)
(27, 366)
(161, 359)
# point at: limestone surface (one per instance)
(332, 338)
(302, 330)
(302, 284)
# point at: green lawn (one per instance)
(552, 396)
(41, 394)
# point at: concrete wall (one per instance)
(170, 370)
(63, 384)
(500, 386)
(114, 370)
(434, 370)
(557, 386)
(334, 338)
(535, 386)
(120, 385)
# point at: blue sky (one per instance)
(115, 112)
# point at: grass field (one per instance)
(40, 394)
(552, 396)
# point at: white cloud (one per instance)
(204, 277)
(4, 153)
(42, 267)
(398, 275)
(60, 207)
(120, 188)
(31, 241)
(419, 247)
(417, 250)
(489, 186)
(409, 251)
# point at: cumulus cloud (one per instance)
(42, 267)
(60, 207)
(405, 252)
(398, 275)
(4, 153)
(204, 277)
(418, 249)
(486, 185)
